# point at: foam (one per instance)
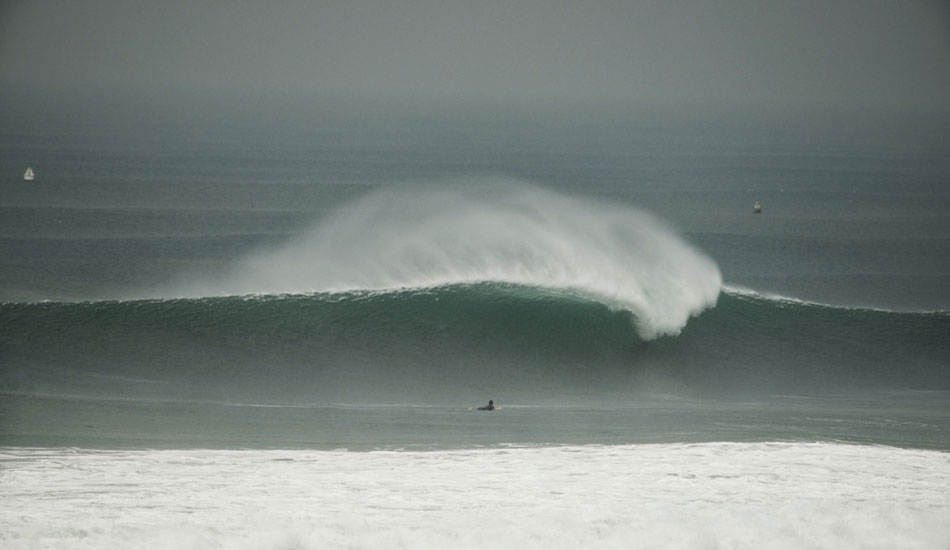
(714, 495)
(489, 231)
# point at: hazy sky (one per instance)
(887, 53)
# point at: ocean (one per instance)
(252, 323)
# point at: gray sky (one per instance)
(878, 53)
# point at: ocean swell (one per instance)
(447, 343)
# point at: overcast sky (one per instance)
(888, 53)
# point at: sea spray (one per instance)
(415, 236)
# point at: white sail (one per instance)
(28, 176)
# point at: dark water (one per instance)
(442, 345)
(901, 419)
(132, 194)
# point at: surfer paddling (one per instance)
(490, 407)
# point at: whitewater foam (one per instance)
(507, 232)
(715, 495)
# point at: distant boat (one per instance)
(28, 176)
(757, 208)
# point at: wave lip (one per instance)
(416, 237)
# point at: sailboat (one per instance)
(28, 176)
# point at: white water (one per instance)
(510, 232)
(717, 495)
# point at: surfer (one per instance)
(490, 407)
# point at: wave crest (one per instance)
(506, 232)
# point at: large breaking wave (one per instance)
(415, 237)
(420, 293)
(452, 342)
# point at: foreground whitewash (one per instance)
(719, 495)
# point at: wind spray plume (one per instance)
(417, 237)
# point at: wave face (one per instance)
(498, 231)
(451, 342)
